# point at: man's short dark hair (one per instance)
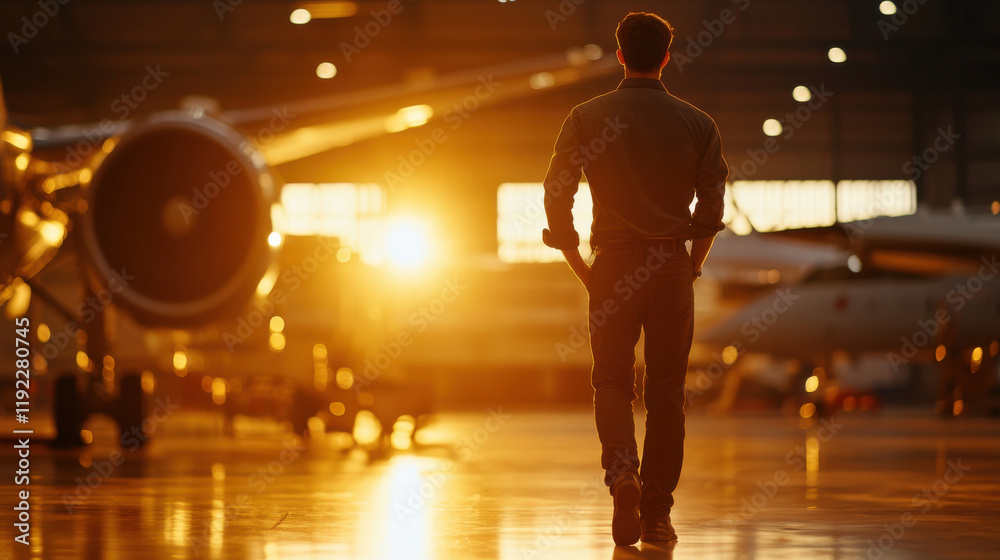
(644, 39)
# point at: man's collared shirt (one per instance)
(646, 154)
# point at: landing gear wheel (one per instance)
(132, 406)
(304, 406)
(67, 408)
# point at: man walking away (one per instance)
(646, 155)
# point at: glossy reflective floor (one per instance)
(520, 484)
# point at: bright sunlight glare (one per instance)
(407, 243)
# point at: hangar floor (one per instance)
(520, 484)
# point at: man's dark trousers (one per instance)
(642, 285)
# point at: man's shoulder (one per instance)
(664, 97)
(691, 109)
(595, 102)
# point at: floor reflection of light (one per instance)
(37, 539)
(218, 524)
(518, 534)
(111, 524)
(574, 528)
(217, 527)
(941, 457)
(729, 472)
(177, 524)
(292, 550)
(148, 513)
(404, 504)
(218, 474)
(812, 467)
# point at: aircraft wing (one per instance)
(763, 259)
(340, 119)
(922, 243)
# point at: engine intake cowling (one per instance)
(180, 209)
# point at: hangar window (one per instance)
(750, 205)
(521, 219)
(350, 211)
(861, 200)
(779, 205)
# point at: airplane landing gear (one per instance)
(71, 407)
(131, 408)
(68, 411)
(77, 396)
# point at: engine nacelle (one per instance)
(180, 209)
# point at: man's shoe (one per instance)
(658, 529)
(626, 491)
